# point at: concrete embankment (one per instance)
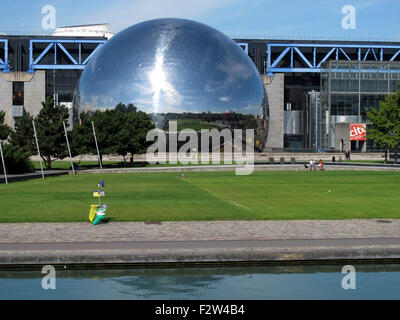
(205, 242)
(201, 252)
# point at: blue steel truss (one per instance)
(281, 56)
(4, 60)
(54, 45)
(310, 57)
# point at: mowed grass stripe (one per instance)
(206, 196)
(304, 195)
(134, 197)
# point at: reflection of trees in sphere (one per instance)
(177, 69)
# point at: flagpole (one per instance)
(97, 147)
(4, 165)
(69, 150)
(37, 146)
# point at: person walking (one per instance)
(347, 154)
(321, 165)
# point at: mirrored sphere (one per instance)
(177, 69)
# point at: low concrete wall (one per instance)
(316, 156)
(200, 255)
(257, 157)
(266, 167)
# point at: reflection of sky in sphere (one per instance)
(172, 65)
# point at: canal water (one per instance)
(244, 282)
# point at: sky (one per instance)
(372, 19)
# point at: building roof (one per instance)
(88, 30)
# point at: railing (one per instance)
(312, 38)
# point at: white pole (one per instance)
(4, 165)
(97, 147)
(69, 150)
(37, 146)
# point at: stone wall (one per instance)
(275, 94)
(342, 132)
(34, 92)
(6, 100)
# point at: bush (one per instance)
(16, 160)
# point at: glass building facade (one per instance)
(348, 90)
(61, 84)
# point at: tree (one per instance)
(122, 130)
(385, 121)
(123, 136)
(16, 159)
(23, 136)
(126, 109)
(50, 131)
(132, 136)
(107, 124)
(82, 141)
(4, 129)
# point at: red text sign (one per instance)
(358, 131)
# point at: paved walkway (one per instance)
(198, 242)
(198, 231)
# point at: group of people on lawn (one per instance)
(312, 165)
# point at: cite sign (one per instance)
(358, 132)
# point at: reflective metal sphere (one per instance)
(172, 69)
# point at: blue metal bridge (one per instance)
(54, 53)
(305, 57)
(280, 56)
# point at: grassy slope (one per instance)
(207, 196)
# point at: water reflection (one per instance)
(245, 282)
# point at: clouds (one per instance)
(224, 99)
(122, 13)
(313, 17)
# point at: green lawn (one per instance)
(206, 196)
